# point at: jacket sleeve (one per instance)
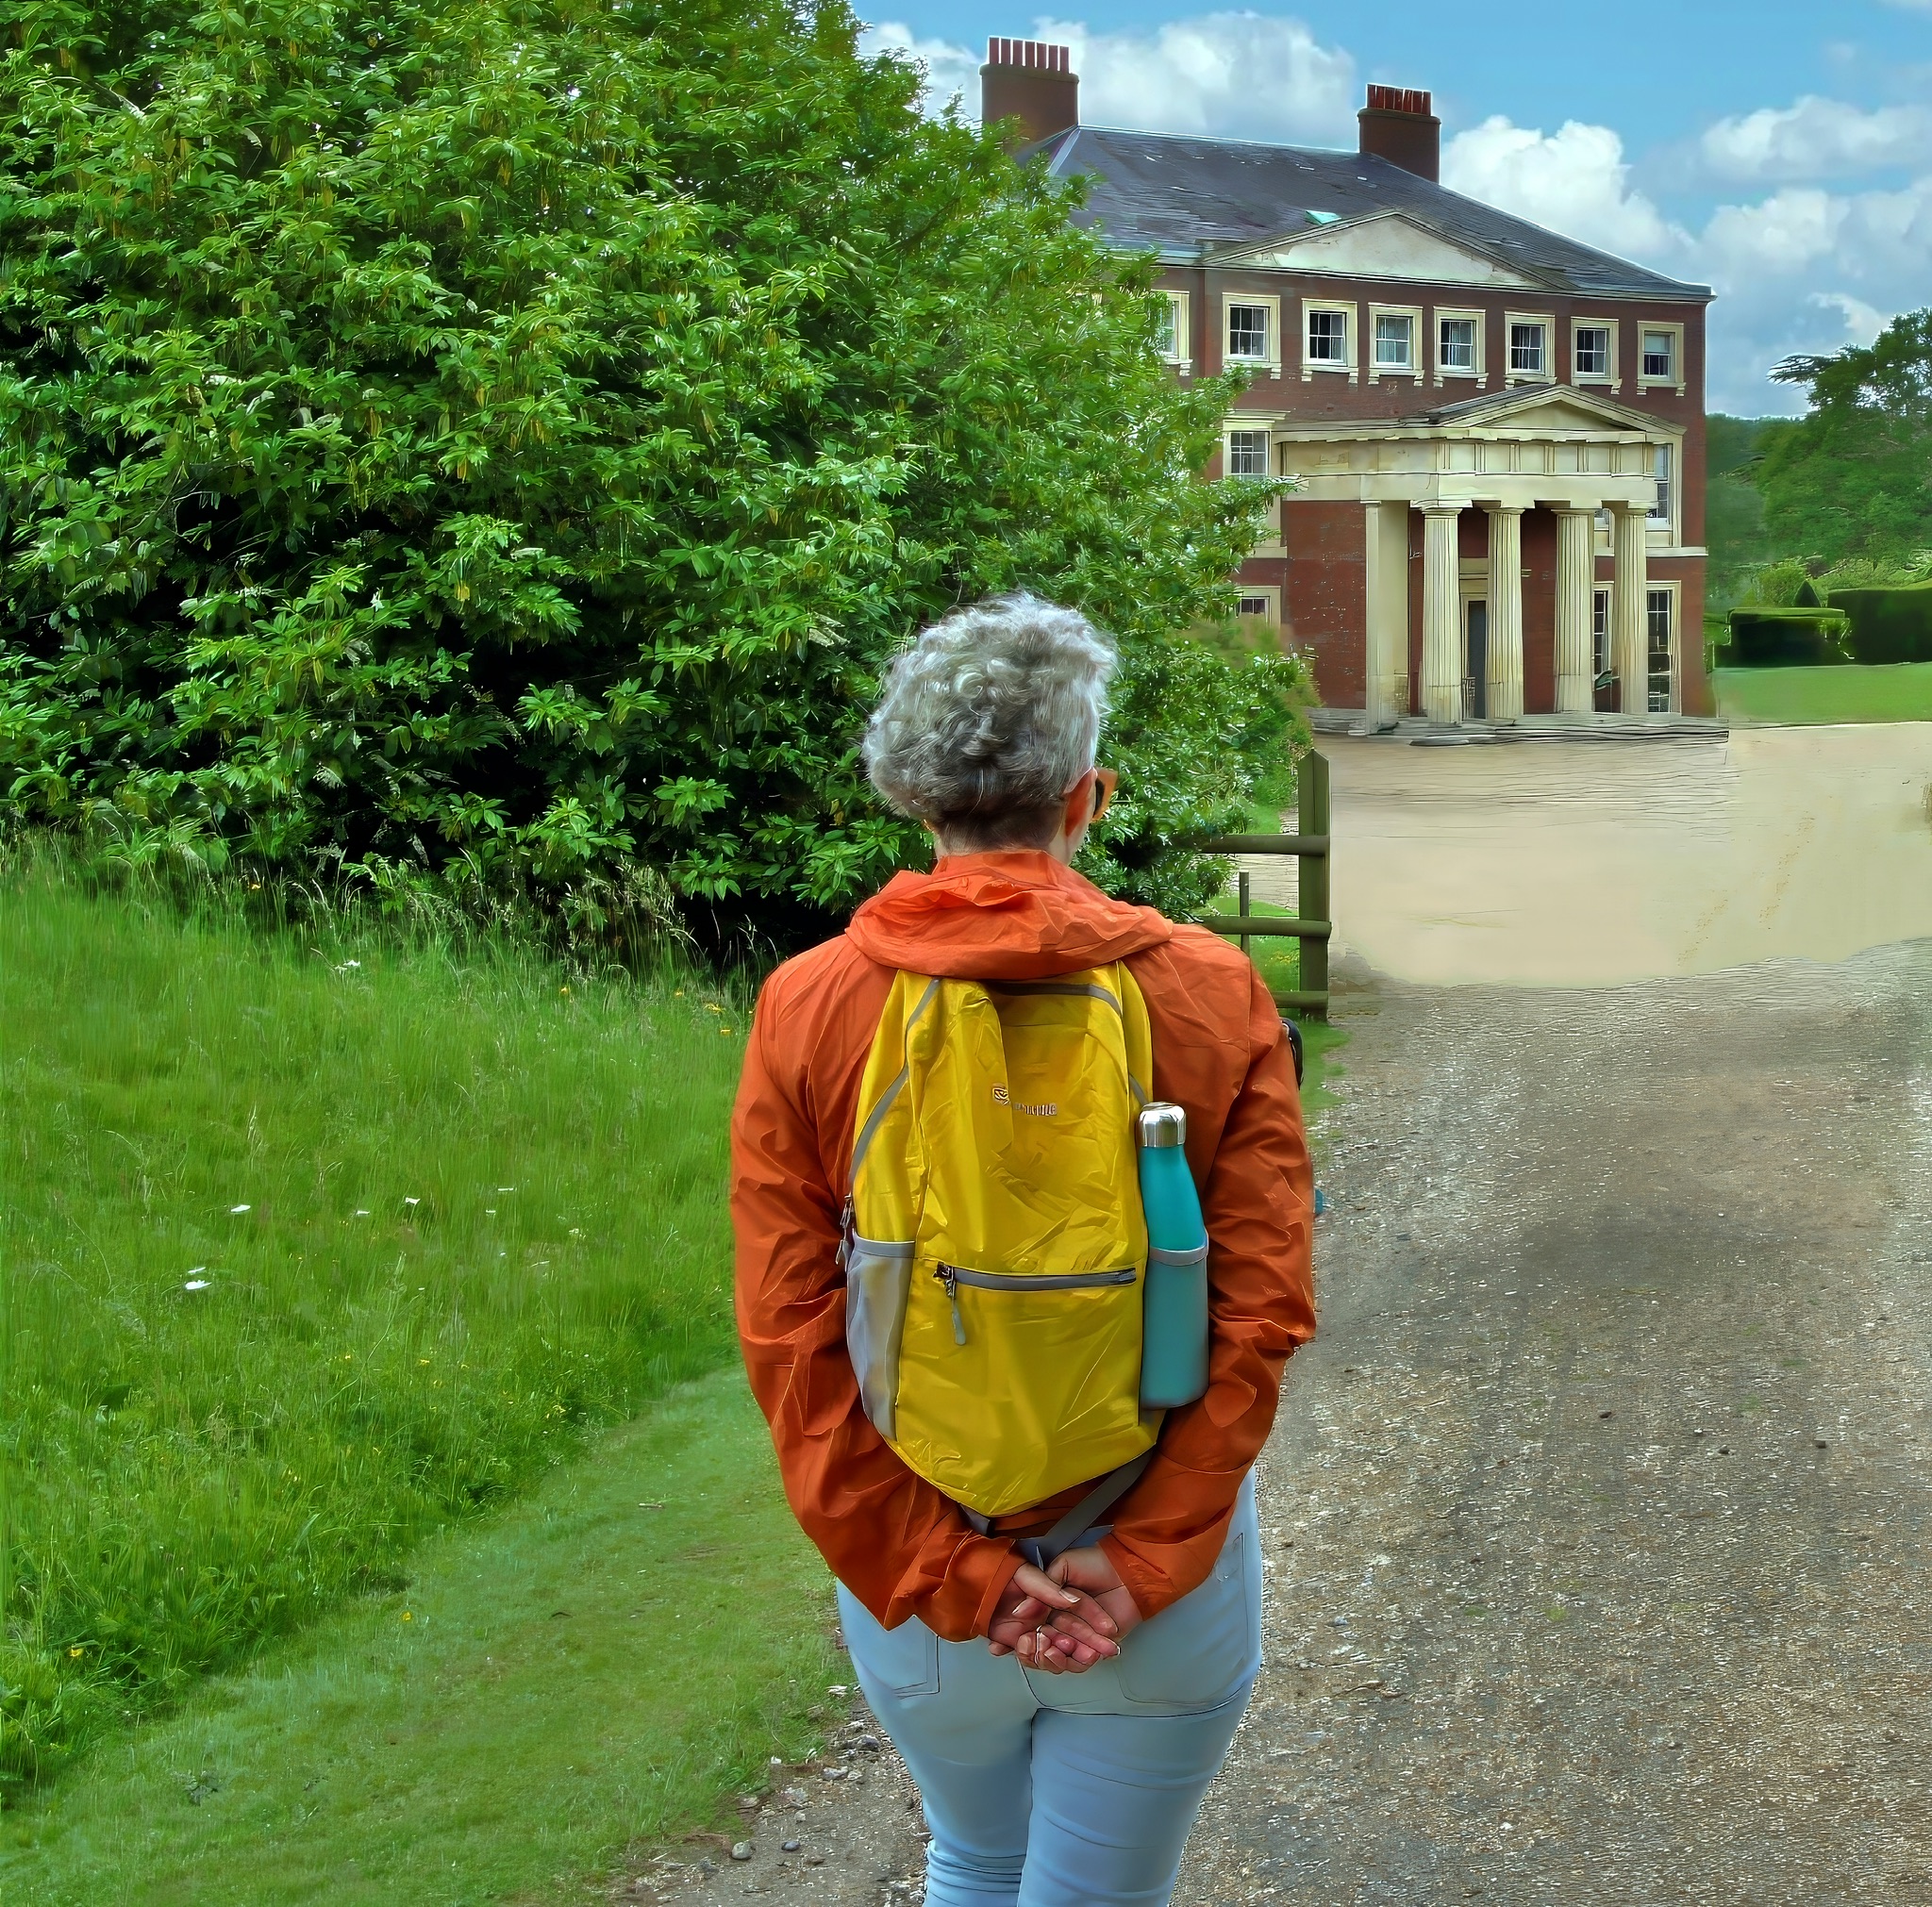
(896, 1543)
(1258, 1197)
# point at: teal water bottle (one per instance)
(1174, 1355)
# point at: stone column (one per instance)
(1575, 611)
(1502, 666)
(1442, 614)
(1629, 621)
(1387, 605)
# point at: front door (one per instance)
(1475, 694)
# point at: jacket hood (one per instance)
(1017, 914)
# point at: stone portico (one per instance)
(1587, 460)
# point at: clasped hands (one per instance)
(1066, 1617)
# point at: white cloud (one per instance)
(1574, 180)
(1862, 322)
(1237, 76)
(1808, 271)
(950, 70)
(1816, 139)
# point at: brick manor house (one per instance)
(1498, 433)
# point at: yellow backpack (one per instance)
(994, 1247)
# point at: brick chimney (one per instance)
(1034, 84)
(1397, 126)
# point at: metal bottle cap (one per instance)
(1163, 1123)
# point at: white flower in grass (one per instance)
(236, 1211)
(361, 1211)
(196, 1280)
(412, 1202)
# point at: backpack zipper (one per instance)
(953, 1276)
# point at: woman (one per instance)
(1062, 1723)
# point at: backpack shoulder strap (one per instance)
(869, 1126)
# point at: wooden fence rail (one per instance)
(1313, 928)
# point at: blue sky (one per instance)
(1780, 153)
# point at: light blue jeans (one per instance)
(1069, 1790)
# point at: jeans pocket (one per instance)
(902, 1661)
(878, 1275)
(1199, 1651)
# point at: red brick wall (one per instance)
(1324, 605)
(1313, 594)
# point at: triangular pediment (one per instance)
(1545, 407)
(1389, 245)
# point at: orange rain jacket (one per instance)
(897, 1543)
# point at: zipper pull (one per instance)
(944, 1274)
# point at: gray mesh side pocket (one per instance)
(877, 1277)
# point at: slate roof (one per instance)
(1187, 198)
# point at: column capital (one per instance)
(1444, 506)
(1506, 509)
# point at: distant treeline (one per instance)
(1841, 496)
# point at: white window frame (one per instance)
(1673, 487)
(1349, 364)
(1268, 592)
(1676, 380)
(1479, 371)
(1269, 302)
(1378, 370)
(1181, 356)
(1548, 373)
(1246, 426)
(1603, 636)
(1610, 378)
(1675, 645)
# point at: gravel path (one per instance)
(1597, 1511)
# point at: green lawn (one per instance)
(1898, 692)
(593, 1668)
(312, 1242)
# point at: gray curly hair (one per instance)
(989, 717)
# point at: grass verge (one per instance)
(1900, 691)
(576, 1674)
(311, 1243)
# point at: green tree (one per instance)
(504, 440)
(1853, 478)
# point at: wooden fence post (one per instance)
(1312, 818)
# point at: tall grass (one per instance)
(311, 1240)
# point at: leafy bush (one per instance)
(1780, 585)
(504, 440)
(1887, 624)
(1783, 638)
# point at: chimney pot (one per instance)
(1031, 82)
(1397, 125)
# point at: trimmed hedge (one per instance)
(1783, 638)
(1889, 625)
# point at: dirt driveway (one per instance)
(1598, 1511)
